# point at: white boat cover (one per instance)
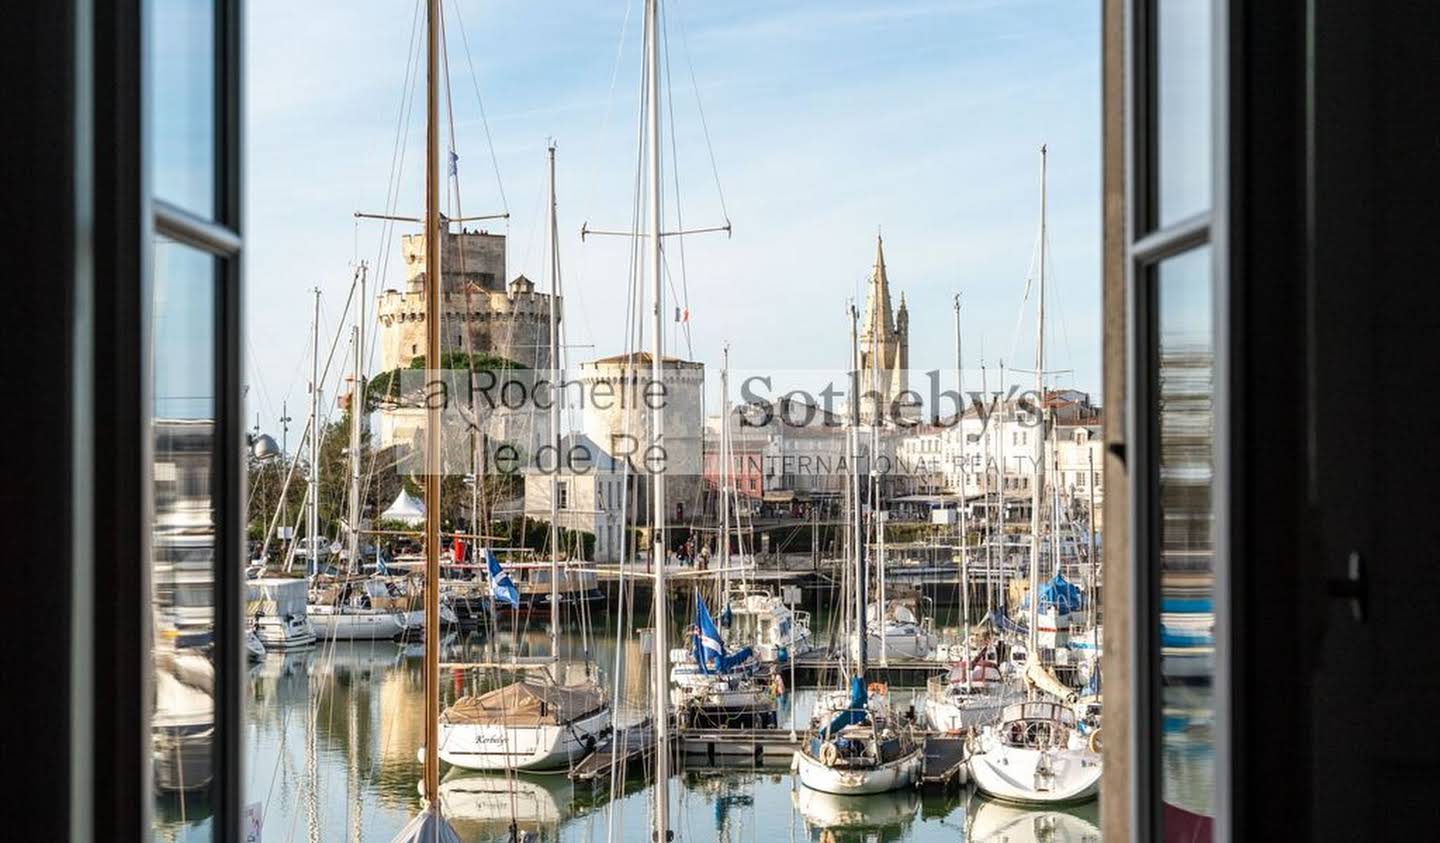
(406, 509)
(529, 702)
(276, 596)
(427, 827)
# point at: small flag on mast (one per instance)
(682, 314)
(454, 163)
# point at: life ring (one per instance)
(829, 754)
(1094, 743)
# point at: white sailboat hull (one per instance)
(1035, 777)
(285, 633)
(362, 624)
(901, 645)
(542, 747)
(901, 773)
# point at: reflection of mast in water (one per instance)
(312, 779)
(353, 770)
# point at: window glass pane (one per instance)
(1182, 108)
(182, 354)
(182, 102)
(1186, 436)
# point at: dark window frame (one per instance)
(219, 237)
(1146, 245)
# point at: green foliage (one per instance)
(536, 535)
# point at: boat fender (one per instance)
(1094, 743)
(829, 754)
(795, 762)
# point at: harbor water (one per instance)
(332, 734)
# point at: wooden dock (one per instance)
(819, 668)
(748, 747)
(631, 746)
(945, 763)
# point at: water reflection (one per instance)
(331, 743)
(878, 817)
(1186, 566)
(997, 822)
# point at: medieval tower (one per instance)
(481, 314)
(884, 345)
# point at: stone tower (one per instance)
(480, 313)
(884, 344)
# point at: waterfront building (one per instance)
(615, 415)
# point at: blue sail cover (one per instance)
(854, 713)
(1059, 592)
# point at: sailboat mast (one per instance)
(658, 553)
(986, 431)
(357, 398)
(432, 413)
(876, 517)
(856, 537)
(960, 505)
(1090, 539)
(554, 430)
(1036, 495)
(725, 456)
(312, 511)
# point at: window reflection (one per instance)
(181, 105)
(1186, 435)
(1183, 108)
(182, 355)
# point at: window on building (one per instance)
(562, 494)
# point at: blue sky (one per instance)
(828, 119)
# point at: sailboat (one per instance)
(716, 688)
(975, 691)
(538, 722)
(864, 748)
(1036, 755)
(775, 632)
(350, 606)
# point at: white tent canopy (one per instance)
(406, 509)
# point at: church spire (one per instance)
(878, 321)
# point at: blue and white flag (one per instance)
(709, 646)
(501, 589)
(454, 163)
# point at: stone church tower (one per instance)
(884, 344)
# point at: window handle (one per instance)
(1354, 587)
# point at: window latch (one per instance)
(1353, 587)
